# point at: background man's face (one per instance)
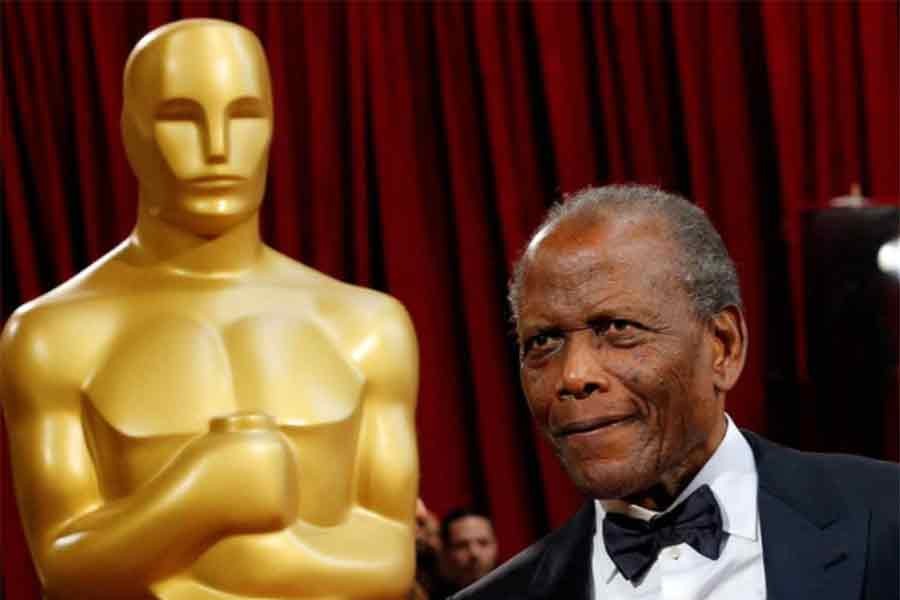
(471, 549)
(202, 120)
(629, 400)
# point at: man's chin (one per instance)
(606, 480)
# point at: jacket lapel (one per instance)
(813, 545)
(564, 571)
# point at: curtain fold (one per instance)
(417, 145)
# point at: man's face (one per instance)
(616, 367)
(197, 129)
(471, 549)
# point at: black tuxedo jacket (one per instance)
(829, 530)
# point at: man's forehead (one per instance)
(578, 268)
(590, 244)
(470, 524)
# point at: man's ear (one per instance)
(729, 332)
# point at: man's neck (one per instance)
(661, 496)
(159, 244)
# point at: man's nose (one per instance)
(583, 372)
(216, 138)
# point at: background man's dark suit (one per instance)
(830, 531)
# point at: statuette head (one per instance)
(197, 123)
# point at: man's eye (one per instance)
(541, 341)
(616, 327)
(619, 325)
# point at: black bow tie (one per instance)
(634, 544)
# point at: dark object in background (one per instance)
(852, 324)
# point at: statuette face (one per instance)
(197, 123)
(196, 416)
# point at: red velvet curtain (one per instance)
(417, 145)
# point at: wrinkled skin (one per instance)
(624, 379)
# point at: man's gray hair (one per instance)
(708, 273)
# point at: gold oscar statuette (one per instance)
(196, 416)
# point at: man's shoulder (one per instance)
(814, 507)
(855, 479)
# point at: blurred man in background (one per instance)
(469, 548)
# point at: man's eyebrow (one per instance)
(622, 310)
(534, 324)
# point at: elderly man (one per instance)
(631, 333)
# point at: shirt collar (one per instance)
(731, 475)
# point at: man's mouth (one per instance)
(592, 425)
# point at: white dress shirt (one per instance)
(680, 572)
